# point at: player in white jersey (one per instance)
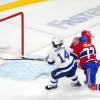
(64, 63)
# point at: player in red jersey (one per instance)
(85, 52)
(89, 37)
(76, 44)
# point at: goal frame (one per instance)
(21, 14)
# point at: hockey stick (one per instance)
(37, 59)
(24, 58)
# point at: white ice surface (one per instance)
(38, 37)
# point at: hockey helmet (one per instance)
(57, 41)
(87, 34)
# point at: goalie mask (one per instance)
(57, 41)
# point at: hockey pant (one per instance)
(90, 70)
(68, 71)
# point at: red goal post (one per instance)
(21, 14)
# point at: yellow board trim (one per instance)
(18, 4)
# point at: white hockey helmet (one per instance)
(57, 41)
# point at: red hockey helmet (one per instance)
(87, 34)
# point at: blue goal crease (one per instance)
(24, 70)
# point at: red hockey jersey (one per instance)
(85, 52)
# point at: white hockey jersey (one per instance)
(60, 57)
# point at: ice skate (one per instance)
(78, 84)
(49, 87)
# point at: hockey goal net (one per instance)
(12, 36)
